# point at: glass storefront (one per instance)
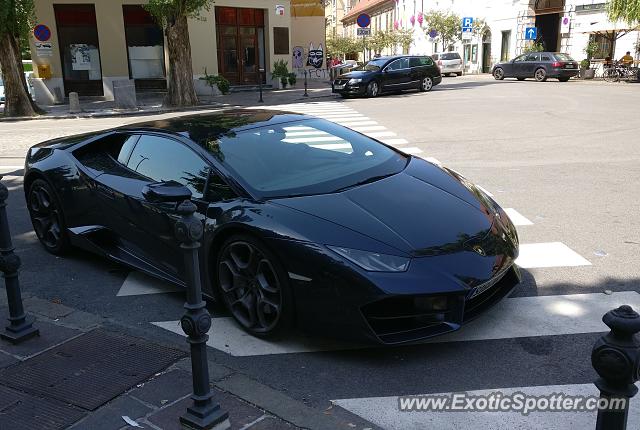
(79, 48)
(145, 48)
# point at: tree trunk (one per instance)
(181, 91)
(17, 99)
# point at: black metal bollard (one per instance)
(305, 85)
(260, 72)
(616, 358)
(196, 322)
(20, 328)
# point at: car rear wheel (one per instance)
(373, 89)
(459, 74)
(498, 74)
(254, 287)
(540, 75)
(426, 84)
(47, 218)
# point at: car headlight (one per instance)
(373, 261)
(354, 81)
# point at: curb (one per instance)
(156, 111)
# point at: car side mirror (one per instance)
(166, 192)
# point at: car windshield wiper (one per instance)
(366, 181)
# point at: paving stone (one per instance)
(46, 308)
(6, 360)
(166, 388)
(50, 335)
(109, 417)
(240, 413)
(271, 423)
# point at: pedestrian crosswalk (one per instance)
(525, 325)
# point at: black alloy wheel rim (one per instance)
(45, 216)
(498, 73)
(374, 89)
(540, 74)
(250, 286)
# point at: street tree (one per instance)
(172, 16)
(402, 38)
(447, 24)
(624, 10)
(379, 41)
(16, 17)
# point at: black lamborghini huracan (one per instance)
(307, 223)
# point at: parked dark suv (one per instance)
(538, 65)
(399, 72)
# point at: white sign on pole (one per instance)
(565, 24)
(363, 31)
(44, 49)
(467, 35)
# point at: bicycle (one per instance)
(618, 71)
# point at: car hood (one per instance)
(422, 211)
(356, 74)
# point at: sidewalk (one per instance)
(151, 103)
(87, 373)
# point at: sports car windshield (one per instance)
(304, 157)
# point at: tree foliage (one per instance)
(16, 17)
(402, 38)
(447, 24)
(624, 10)
(166, 12)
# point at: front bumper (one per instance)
(334, 298)
(347, 89)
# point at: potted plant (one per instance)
(280, 73)
(292, 79)
(586, 72)
(216, 81)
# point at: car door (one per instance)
(530, 64)
(396, 75)
(418, 71)
(517, 67)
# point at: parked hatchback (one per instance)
(538, 65)
(394, 73)
(449, 62)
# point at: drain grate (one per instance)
(21, 411)
(90, 370)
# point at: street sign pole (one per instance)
(363, 20)
(467, 30)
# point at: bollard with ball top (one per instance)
(616, 358)
(20, 327)
(196, 322)
(305, 85)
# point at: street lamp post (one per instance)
(20, 328)
(616, 358)
(196, 322)
(305, 85)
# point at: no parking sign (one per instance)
(42, 33)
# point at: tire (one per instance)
(563, 79)
(373, 89)
(47, 217)
(498, 74)
(459, 74)
(611, 75)
(540, 75)
(521, 79)
(426, 84)
(254, 286)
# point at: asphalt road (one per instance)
(563, 155)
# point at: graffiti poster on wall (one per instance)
(298, 60)
(315, 57)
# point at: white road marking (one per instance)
(137, 284)
(511, 318)
(381, 134)
(384, 412)
(412, 150)
(395, 141)
(357, 123)
(306, 133)
(484, 191)
(551, 254)
(225, 335)
(333, 146)
(366, 128)
(313, 139)
(517, 218)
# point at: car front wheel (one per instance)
(373, 89)
(498, 74)
(254, 287)
(426, 84)
(46, 216)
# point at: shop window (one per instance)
(606, 44)
(281, 40)
(145, 44)
(226, 15)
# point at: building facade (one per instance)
(562, 25)
(334, 11)
(87, 45)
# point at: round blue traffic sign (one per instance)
(363, 20)
(41, 32)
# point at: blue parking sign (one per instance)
(467, 24)
(531, 33)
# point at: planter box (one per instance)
(589, 74)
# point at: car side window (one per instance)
(520, 59)
(532, 57)
(394, 65)
(415, 62)
(162, 159)
(426, 61)
(217, 189)
(546, 58)
(404, 63)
